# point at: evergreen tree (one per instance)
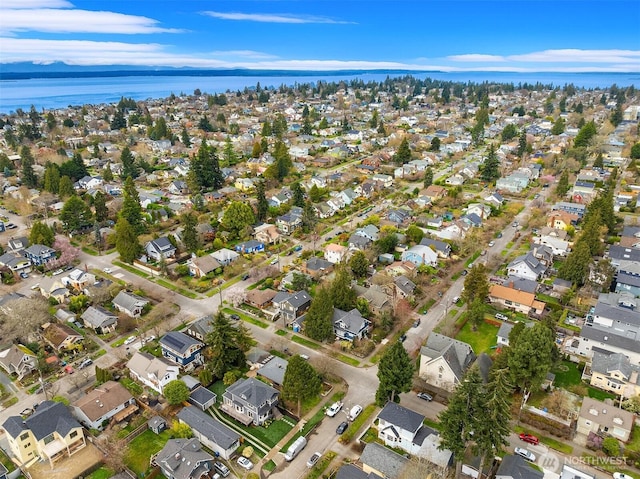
(531, 358)
(435, 144)
(562, 188)
(428, 177)
(599, 161)
(318, 324)
(343, 296)
(301, 381)
(237, 217)
(359, 264)
(41, 233)
(576, 267)
(118, 122)
(256, 151)
(509, 132)
(51, 181)
(298, 194)
(229, 153)
(522, 144)
(395, 372)
(75, 215)
(100, 207)
(309, 217)
(107, 174)
(227, 346)
(476, 284)
(585, 135)
(189, 234)
(403, 155)
(65, 188)
(28, 176)
(205, 125)
(558, 126)
(129, 168)
(131, 209)
(491, 165)
(184, 137)
(262, 208)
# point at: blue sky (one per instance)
(453, 35)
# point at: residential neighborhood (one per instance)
(450, 269)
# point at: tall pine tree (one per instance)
(395, 372)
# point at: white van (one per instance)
(355, 412)
(295, 448)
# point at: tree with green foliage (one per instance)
(532, 357)
(65, 188)
(576, 267)
(100, 207)
(599, 161)
(127, 243)
(227, 345)
(435, 144)
(75, 215)
(386, 243)
(51, 181)
(176, 392)
(585, 135)
(205, 125)
(617, 114)
(491, 165)
(414, 233)
(28, 176)
(205, 377)
(476, 284)
(131, 208)
(428, 177)
(475, 313)
(256, 150)
(309, 217)
(395, 372)
(107, 174)
(206, 167)
(343, 296)
(41, 233)
(523, 145)
(282, 165)
(301, 381)
(179, 429)
(359, 264)
(558, 126)
(562, 188)
(118, 122)
(298, 194)
(185, 139)
(262, 208)
(237, 217)
(229, 154)
(189, 233)
(318, 323)
(129, 168)
(509, 132)
(403, 155)
(159, 129)
(635, 151)
(300, 281)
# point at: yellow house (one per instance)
(244, 184)
(51, 433)
(615, 373)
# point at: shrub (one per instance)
(611, 447)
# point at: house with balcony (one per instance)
(250, 401)
(527, 266)
(78, 279)
(109, 402)
(291, 305)
(615, 373)
(39, 254)
(350, 325)
(18, 360)
(160, 249)
(153, 372)
(50, 434)
(182, 349)
(201, 328)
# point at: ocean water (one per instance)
(53, 93)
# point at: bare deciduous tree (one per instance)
(22, 318)
(236, 296)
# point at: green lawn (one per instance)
(305, 342)
(102, 473)
(142, 448)
(246, 318)
(600, 395)
(219, 388)
(480, 340)
(133, 387)
(567, 374)
(269, 435)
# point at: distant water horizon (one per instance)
(72, 90)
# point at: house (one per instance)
(435, 192)
(335, 253)
(250, 401)
(183, 459)
(288, 223)
(157, 424)
(574, 208)
(211, 433)
(272, 369)
(398, 216)
(526, 266)
(203, 398)
(200, 266)
(505, 330)
(62, 337)
(244, 184)
(53, 287)
(442, 248)
(350, 325)
(444, 361)
(316, 267)
(15, 245)
(519, 301)
(108, 402)
(51, 433)
(521, 284)
(517, 467)
(39, 254)
(200, 328)
(267, 234)
(495, 199)
(382, 461)
(558, 246)
(398, 427)
(357, 242)
(251, 246)
(178, 187)
(260, 298)
(99, 319)
(225, 256)
(561, 220)
(160, 249)
(18, 360)
(604, 420)
(153, 372)
(404, 286)
(629, 283)
(291, 305)
(420, 254)
(615, 373)
(181, 349)
(350, 471)
(15, 262)
(77, 279)
(130, 304)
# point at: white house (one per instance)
(153, 372)
(335, 253)
(443, 361)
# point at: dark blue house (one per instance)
(251, 246)
(182, 349)
(39, 254)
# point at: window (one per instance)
(27, 445)
(73, 434)
(48, 439)
(24, 437)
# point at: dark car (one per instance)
(402, 338)
(245, 277)
(342, 427)
(234, 316)
(530, 438)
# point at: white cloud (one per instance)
(243, 53)
(77, 21)
(26, 4)
(476, 57)
(579, 56)
(272, 17)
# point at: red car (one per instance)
(530, 438)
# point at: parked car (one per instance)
(26, 412)
(530, 438)
(425, 396)
(10, 226)
(85, 363)
(334, 409)
(129, 340)
(274, 260)
(402, 338)
(235, 317)
(416, 323)
(342, 427)
(455, 299)
(501, 316)
(107, 270)
(148, 339)
(57, 272)
(313, 459)
(526, 453)
(24, 275)
(355, 412)
(298, 248)
(491, 243)
(245, 276)
(245, 463)
(464, 272)
(305, 357)
(221, 468)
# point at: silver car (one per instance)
(526, 453)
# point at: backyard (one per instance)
(482, 340)
(142, 448)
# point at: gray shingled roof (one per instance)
(401, 417)
(179, 342)
(50, 417)
(182, 457)
(606, 363)
(252, 391)
(208, 426)
(607, 337)
(458, 355)
(98, 317)
(382, 459)
(517, 467)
